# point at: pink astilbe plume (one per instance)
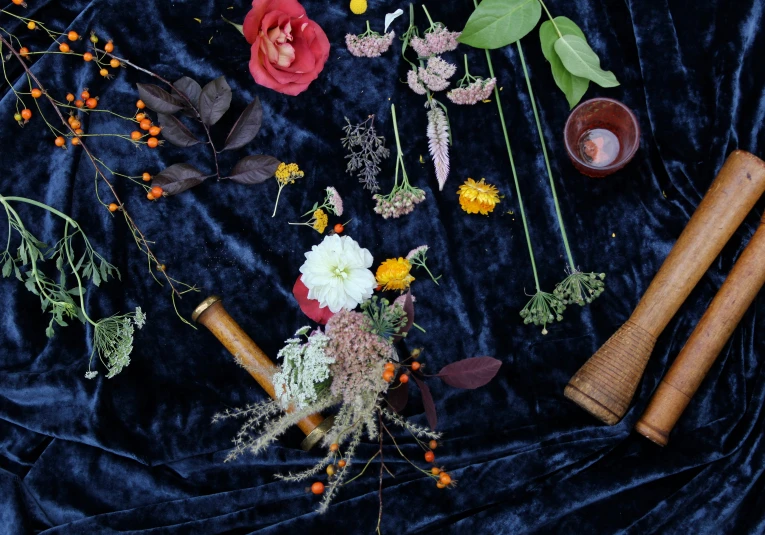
(414, 82)
(369, 46)
(473, 93)
(438, 143)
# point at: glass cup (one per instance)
(601, 135)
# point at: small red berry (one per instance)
(18, 2)
(339, 228)
(140, 104)
(416, 365)
(60, 141)
(136, 135)
(24, 52)
(79, 103)
(114, 63)
(91, 103)
(334, 447)
(31, 25)
(388, 376)
(104, 73)
(435, 471)
(440, 485)
(113, 207)
(157, 191)
(145, 124)
(341, 463)
(36, 93)
(150, 196)
(403, 379)
(85, 95)
(154, 130)
(87, 56)
(152, 142)
(79, 131)
(26, 114)
(317, 488)
(75, 124)
(444, 478)
(430, 456)
(389, 366)
(109, 47)
(69, 97)
(432, 444)
(146, 177)
(63, 47)
(75, 141)
(72, 36)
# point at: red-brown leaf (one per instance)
(398, 396)
(470, 373)
(427, 403)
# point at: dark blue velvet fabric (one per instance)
(138, 453)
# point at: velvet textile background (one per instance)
(137, 453)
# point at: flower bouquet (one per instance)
(353, 366)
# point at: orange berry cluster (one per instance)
(318, 486)
(145, 124)
(443, 479)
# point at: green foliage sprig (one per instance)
(498, 23)
(112, 336)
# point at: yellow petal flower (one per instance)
(478, 197)
(393, 274)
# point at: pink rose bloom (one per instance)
(288, 49)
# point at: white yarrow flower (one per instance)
(336, 273)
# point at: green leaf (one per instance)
(574, 87)
(580, 60)
(44, 304)
(60, 263)
(104, 271)
(23, 254)
(96, 276)
(17, 272)
(75, 291)
(7, 267)
(30, 284)
(49, 332)
(498, 23)
(80, 261)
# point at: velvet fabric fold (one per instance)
(138, 454)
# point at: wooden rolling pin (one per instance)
(247, 354)
(606, 383)
(706, 342)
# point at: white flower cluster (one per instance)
(113, 341)
(305, 367)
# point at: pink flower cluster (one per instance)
(359, 354)
(438, 41)
(402, 202)
(473, 93)
(369, 46)
(435, 76)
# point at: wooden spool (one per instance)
(706, 342)
(247, 354)
(606, 383)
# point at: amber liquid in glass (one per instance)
(599, 147)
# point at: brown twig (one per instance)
(180, 93)
(129, 219)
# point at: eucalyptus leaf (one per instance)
(574, 87)
(581, 60)
(176, 132)
(157, 99)
(498, 23)
(214, 101)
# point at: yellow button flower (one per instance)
(478, 197)
(394, 274)
(358, 7)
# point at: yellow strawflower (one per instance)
(393, 274)
(358, 7)
(478, 197)
(320, 221)
(288, 173)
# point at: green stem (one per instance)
(547, 159)
(467, 71)
(44, 207)
(551, 18)
(68, 249)
(369, 30)
(512, 167)
(400, 157)
(425, 9)
(276, 205)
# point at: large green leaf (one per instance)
(498, 23)
(581, 60)
(574, 87)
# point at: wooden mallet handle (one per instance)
(606, 383)
(212, 315)
(706, 342)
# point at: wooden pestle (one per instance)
(212, 315)
(606, 383)
(706, 342)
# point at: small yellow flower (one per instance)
(393, 274)
(320, 221)
(478, 197)
(358, 7)
(288, 173)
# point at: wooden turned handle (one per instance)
(606, 383)
(247, 354)
(706, 342)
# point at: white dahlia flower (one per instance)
(336, 273)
